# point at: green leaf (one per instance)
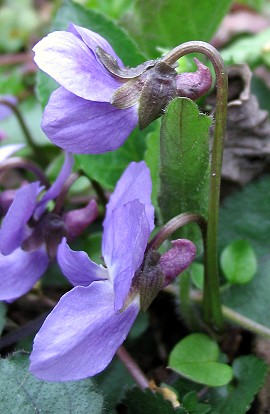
(21, 392)
(113, 382)
(245, 215)
(152, 160)
(191, 404)
(184, 163)
(93, 20)
(107, 168)
(238, 262)
(142, 402)
(249, 373)
(195, 357)
(165, 24)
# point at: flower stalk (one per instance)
(211, 300)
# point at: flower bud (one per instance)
(76, 221)
(177, 259)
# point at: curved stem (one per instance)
(211, 301)
(27, 134)
(17, 162)
(174, 224)
(61, 197)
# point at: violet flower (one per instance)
(100, 101)
(81, 335)
(29, 235)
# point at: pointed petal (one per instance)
(7, 150)
(134, 184)
(13, 230)
(81, 335)
(77, 266)
(20, 271)
(69, 61)
(86, 127)
(177, 259)
(57, 186)
(123, 246)
(93, 40)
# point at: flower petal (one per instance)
(13, 229)
(20, 271)
(81, 335)
(177, 259)
(69, 61)
(8, 150)
(93, 40)
(77, 266)
(85, 127)
(124, 242)
(57, 186)
(134, 184)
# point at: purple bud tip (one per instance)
(194, 84)
(76, 221)
(177, 259)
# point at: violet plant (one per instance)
(139, 284)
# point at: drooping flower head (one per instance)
(30, 235)
(83, 332)
(100, 101)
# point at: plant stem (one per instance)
(18, 162)
(211, 300)
(27, 134)
(132, 368)
(174, 224)
(235, 317)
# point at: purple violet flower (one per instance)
(81, 335)
(29, 235)
(100, 101)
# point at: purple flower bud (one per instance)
(76, 221)
(194, 84)
(177, 259)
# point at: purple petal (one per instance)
(76, 221)
(5, 110)
(93, 40)
(123, 246)
(8, 150)
(77, 266)
(134, 184)
(177, 259)
(69, 61)
(57, 186)
(13, 230)
(81, 335)
(85, 127)
(20, 271)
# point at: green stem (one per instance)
(211, 300)
(27, 134)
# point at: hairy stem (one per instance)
(211, 300)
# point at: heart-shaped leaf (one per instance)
(196, 358)
(238, 262)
